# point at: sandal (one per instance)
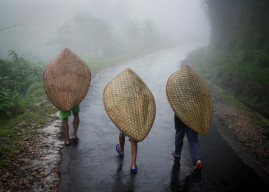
(118, 150)
(75, 139)
(135, 170)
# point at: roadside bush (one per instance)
(16, 77)
(244, 74)
(252, 65)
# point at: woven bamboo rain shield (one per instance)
(190, 99)
(130, 105)
(66, 80)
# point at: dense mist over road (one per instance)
(39, 30)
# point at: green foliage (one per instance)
(9, 103)
(6, 102)
(252, 65)
(230, 97)
(244, 75)
(239, 25)
(255, 57)
(21, 127)
(35, 92)
(237, 59)
(16, 76)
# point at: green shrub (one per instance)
(251, 64)
(16, 77)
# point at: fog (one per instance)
(40, 29)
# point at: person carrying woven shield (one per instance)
(64, 116)
(66, 82)
(131, 106)
(192, 106)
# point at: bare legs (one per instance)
(65, 127)
(133, 149)
(75, 125)
(134, 153)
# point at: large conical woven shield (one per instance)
(66, 80)
(190, 99)
(130, 105)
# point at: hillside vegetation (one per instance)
(237, 58)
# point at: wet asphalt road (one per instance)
(93, 164)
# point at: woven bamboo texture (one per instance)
(190, 99)
(66, 80)
(130, 105)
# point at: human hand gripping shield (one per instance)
(130, 105)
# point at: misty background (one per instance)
(39, 30)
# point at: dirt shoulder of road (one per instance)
(36, 166)
(241, 130)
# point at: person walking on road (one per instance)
(64, 117)
(192, 106)
(66, 82)
(120, 150)
(131, 106)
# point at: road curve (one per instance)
(93, 164)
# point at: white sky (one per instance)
(43, 17)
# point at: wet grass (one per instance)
(19, 127)
(22, 127)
